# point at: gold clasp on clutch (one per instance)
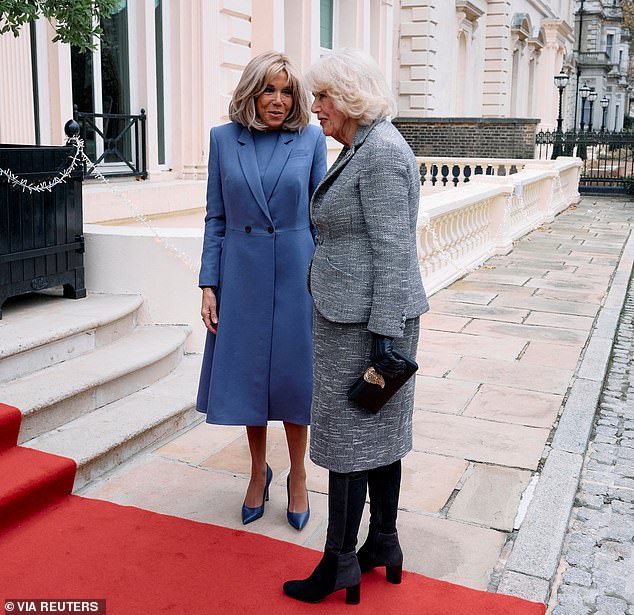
(373, 377)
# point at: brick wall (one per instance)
(465, 137)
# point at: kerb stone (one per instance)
(539, 541)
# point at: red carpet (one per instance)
(146, 563)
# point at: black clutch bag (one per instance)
(372, 390)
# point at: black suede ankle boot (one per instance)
(382, 550)
(334, 572)
(339, 567)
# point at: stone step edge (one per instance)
(105, 454)
(98, 392)
(93, 324)
(120, 371)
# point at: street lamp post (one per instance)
(561, 81)
(591, 98)
(604, 102)
(584, 92)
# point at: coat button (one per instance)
(247, 229)
(270, 229)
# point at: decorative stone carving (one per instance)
(468, 14)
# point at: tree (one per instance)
(76, 22)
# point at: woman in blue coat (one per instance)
(257, 365)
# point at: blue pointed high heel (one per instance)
(297, 519)
(252, 514)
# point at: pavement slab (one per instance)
(469, 345)
(490, 496)
(564, 321)
(498, 353)
(481, 440)
(527, 332)
(510, 405)
(512, 373)
(429, 480)
(443, 395)
(542, 304)
(471, 310)
(551, 355)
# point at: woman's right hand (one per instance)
(208, 311)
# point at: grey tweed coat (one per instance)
(364, 277)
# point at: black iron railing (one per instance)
(114, 142)
(608, 157)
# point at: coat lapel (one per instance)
(249, 164)
(344, 158)
(282, 151)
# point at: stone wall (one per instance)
(470, 137)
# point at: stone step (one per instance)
(38, 331)
(106, 437)
(63, 392)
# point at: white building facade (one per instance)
(179, 60)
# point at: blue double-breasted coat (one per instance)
(256, 250)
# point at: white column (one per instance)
(497, 60)
(268, 26)
(143, 74)
(301, 31)
(17, 118)
(60, 85)
(418, 48)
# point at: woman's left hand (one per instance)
(208, 310)
(383, 358)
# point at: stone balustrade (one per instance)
(449, 172)
(460, 229)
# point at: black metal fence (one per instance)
(608, 157)
(114, 142)
(41, 233)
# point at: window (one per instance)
(101, 84)
(326, 21)
(609, 44)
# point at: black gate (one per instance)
(41, 233)
(608, 157)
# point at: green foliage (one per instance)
(75, 21)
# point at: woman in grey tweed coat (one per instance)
(368, 296)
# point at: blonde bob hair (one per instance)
(355, 83)
(258, 73)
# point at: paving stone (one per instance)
(477, 440)
(542, 304)
(576, 420)
(512, 374)
(512, 405)
(471, 345)
(611, 606)
(470, 310)
(429, 480)
(577, 576)
(527, 332)
(551, 355)
(565, 321)
(538, 544)
(490, 496)
(448, 550)
(523, 586)
(443, 395)
(436, 363)
(443, 322)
